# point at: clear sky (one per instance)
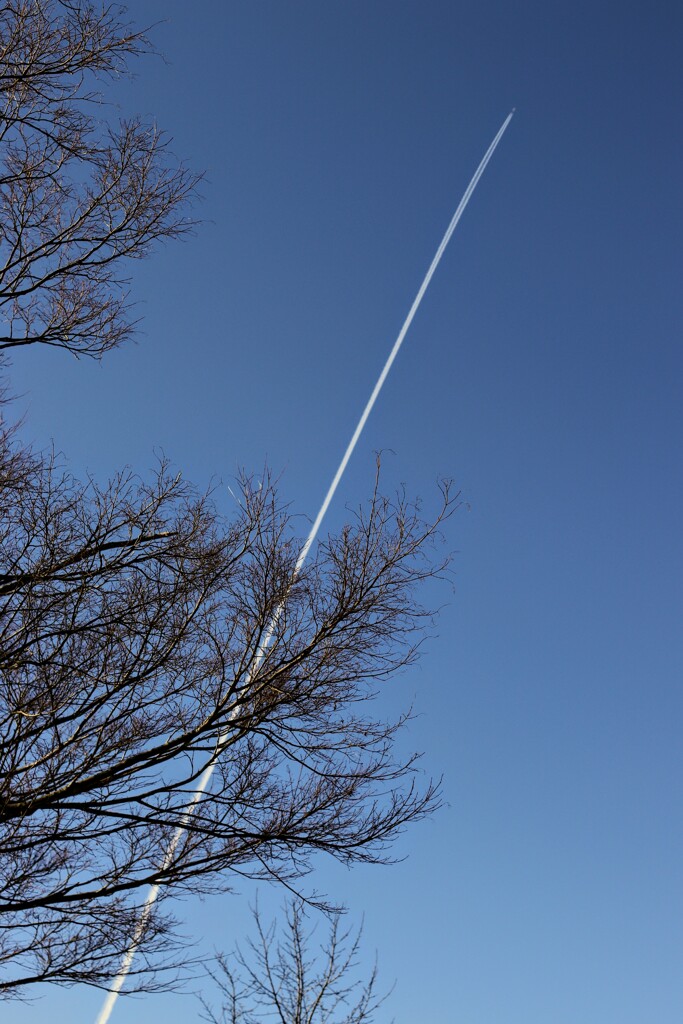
(543, 373)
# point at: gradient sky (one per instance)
(543, 373)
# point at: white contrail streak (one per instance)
(399, 341)
(127, 961)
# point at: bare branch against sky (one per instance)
(133, 613)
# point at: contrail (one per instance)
(127, 961)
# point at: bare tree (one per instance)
(130, 621)
(132, 613)
(280, 979)
(78, 192)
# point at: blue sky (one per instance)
(543, 374)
